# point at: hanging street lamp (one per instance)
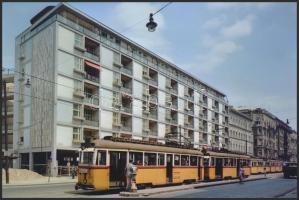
(151, 25)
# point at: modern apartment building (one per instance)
(9, 79)
(240, 132)
(95, 83)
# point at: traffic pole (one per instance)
(6, 134)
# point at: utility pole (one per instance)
(6, 134)
(180, 134)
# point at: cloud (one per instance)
(236, 5)
(240, 28)
(213, 23)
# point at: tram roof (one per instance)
(143, 147)
(219, 154)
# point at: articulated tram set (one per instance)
(102, 166)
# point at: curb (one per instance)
(32, 184)
(127, 194)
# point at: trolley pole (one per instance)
(5, 131)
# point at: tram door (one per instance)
(219, 166)
(118, 162)
(169, 167)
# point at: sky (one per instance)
(245, 50)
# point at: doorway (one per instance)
(218, 169)
(169, 167)
(118, 162)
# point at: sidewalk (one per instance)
(45, 180)
(152, 191)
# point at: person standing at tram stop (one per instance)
(129, 172)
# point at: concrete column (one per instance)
(31, 161)
(54, 164)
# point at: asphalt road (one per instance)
(278, 187)
(267, 188)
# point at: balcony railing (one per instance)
(153, 115)
(126, 90)
(153, 82)
(174, 90)
(126, 109)
(91, 123)
(126, 71)
(191, 98)
(91, 100)
(153, 98)
(205, 116)
(91, 56)
(174, 105)
(126, 128)
(205, 103)
(92, 78)
(153, 133)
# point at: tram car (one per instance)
(102, 167)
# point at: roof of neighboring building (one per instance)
(66, 5)
(232, 109)
(8, 77)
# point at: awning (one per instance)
(92, 65)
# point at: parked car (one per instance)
(289, 169)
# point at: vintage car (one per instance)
(289, 169)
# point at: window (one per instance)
(78, 40)
(88, 115)
(87, 158)
(101, 158)
(150, 159)
(78, 63)
(193, 160)
(184, 160)
(212, 161)
(137, 157)
(161, 158)
(76, 110)
(176, 159)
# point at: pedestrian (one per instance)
(265, 171)
(68, 165)
(241, 174)
(129, 171)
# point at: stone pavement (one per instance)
(159, 190)
(39, 181)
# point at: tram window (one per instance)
(176, 159)
(150, 159)
(206, 162)
(161, 158)
(101, 158)
(87, 157)
(137, 157)
(193, 160)
(225, 162)
(184, 160)
(212, 161)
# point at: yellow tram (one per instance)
(219, 165)
(103, 166)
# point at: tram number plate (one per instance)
(83, 170)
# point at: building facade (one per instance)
(292, 147)
(9, 79)
(270, 134)
(240, 132)
(95, 83)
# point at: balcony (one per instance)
(153, 99)
(91, 100)
(126, 71)
(153, 82)
(92, 78)
(126, 90)
(126, 128)
(153, 115)
(91, 123)
(126, 109)
(174, 106)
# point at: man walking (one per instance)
(129, 171)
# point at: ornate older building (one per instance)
(292, 146)
(283, 132)
(240, 132)
(264, 132)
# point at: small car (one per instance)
(289, 169)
